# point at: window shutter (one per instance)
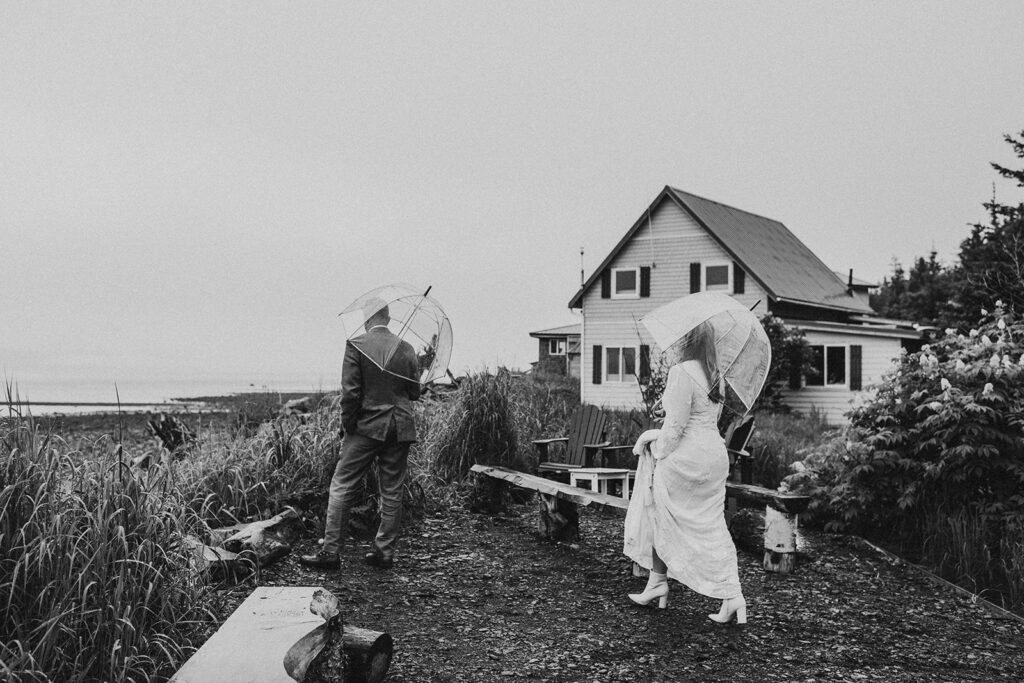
(606, 284)
(597, 364)
(645, 362)
(694, 278)
(856, 354)
(795, 376)
(645, 281)
(739, 279)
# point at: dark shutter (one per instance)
(694, 278)
(856, 353)
(606, 284)
(795, 360)
(645, 362)
(645, 281)
(597, 364)
(739, 279)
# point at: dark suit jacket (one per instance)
(371, 399)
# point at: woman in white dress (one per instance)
(675, 525)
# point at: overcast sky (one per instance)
(197, 190)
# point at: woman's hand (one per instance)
(644, 441)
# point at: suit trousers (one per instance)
(357, 454)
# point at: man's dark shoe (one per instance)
(321, 560)
(375, 559)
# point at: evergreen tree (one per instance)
(992, 258)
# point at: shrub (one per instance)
(934, 461)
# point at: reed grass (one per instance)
(781, 439)
(94, 580)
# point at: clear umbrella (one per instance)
(741, 344)
(412, 317)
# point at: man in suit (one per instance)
(380, 379)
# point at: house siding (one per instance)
(668, 244)
(878, 356)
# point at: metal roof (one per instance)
(563, 331)
(766, 249)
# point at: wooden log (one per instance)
(559, 519)
(218, 563)
(333, 652)
(266, 540)
(369, 654)
(779, 541)
(174, 434)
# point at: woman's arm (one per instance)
(677, 398)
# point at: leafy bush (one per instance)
(934, 461)
(948, 425)
(790, 353)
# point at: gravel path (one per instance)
(477, 598)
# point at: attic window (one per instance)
(625, 283)
(718, 277)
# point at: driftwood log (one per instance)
(264, 541)
(174, 434)
(218, 563)
(337, 653)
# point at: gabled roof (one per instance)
(765, 248)
(563, 331)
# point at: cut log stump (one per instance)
(779, 541)
(559, 519)
(333, 652)
(255, 643)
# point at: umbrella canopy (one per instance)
(413, 319)
(743, 351)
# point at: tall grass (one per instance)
(94, 582)
(982, 554)
(780, 439)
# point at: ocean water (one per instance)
(84, 395)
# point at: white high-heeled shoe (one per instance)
(731, 607)
(657, 588)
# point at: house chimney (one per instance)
(582, 279)
(849, 284)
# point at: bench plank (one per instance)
(250, 645)
(572, 494)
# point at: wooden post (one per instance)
(779, 541)
(559, 519)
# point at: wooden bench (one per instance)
(559, 514)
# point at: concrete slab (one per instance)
(250, 645)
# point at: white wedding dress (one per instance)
(678, 503)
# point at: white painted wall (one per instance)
(669, 244)
(878, 354)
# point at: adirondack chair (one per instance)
(736, 434)
(586, 436)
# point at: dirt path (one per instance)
(476, 598)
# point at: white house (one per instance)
(558, 350)
(683, 244)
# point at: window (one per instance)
(718, 277)
(620, 363)
(625, 283)
(556, 347)
(829, 363)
